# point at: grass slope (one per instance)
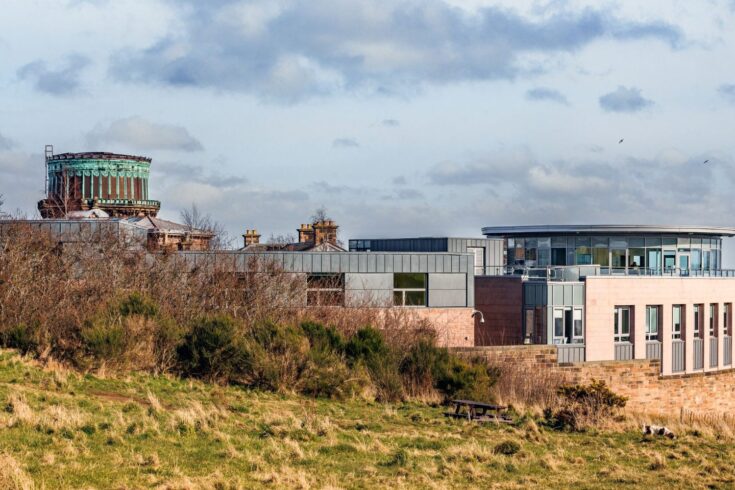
(59, 429)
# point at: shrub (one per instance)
(584, 405)
(422, 366)
(23, 337)
(278, 356)
(213, 350)
(466, 379)
(137, 304)
(103, 339)
(367, 347)
(507, 448)
(323, 339)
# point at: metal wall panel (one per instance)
(698, 351)
(677, 356)
(570, 353)
(447, 298)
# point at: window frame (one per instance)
(619, 337)
(402, 291)
(321, 292)
(651, 335)
(676, 333)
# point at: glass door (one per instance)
(669, 260)
(684, 264)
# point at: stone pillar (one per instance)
(689, 337)
(666, 359)
(639, 331)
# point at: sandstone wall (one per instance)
(639, 380)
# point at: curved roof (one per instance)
(98, 155)
(511, 231)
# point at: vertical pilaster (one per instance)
(639, 331)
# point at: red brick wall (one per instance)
(639, 380)
(500, 299)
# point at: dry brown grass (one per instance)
(12, 475)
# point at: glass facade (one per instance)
(618, 253)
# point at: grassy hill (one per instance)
(60, 429)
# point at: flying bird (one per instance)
(706, 161)
(621, 140)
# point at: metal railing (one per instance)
(570, 353)
(653, 349)
(713, 354)
(727, 350)
(577, 272)
(698, 353)
(623, 351)
(677, 356)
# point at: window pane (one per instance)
(398, 298)
(558, 323)
(578, 323)
(415, 298)
(404, 280)
(626, 322)
(600, 256)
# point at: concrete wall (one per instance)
(604, 293)
(500, 299)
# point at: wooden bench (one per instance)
(478, 411)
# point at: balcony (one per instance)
(573, 273)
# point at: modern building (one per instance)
(488, 253)
(612, 292)
(116, 184)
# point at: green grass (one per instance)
(60, 429)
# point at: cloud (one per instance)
(142, 134)
(62, 81)
(400, 180)
(6, 143)
(390, 123)
(548, 94)
(289, 51)
(183, 172)
(345, 143)
(408, 194)
(728, 92)
(498, 170)
(624, 99)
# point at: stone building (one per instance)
(116, 184)
(320, 236)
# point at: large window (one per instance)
(409, 289)
(621, 328)
(652, 322)
(676, 321)
(325, 289)
(568, 328)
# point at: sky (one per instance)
(401, 118)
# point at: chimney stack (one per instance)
(306, 233)
(252, 237)
(325, 231)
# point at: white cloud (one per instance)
(136, 132)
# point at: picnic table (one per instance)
(479, 411)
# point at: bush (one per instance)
(104, 340)
(323, 339)
(466, 379)
(213, 349)
(422, 366)
(23, 337)
(507, 448)
(367, 348)
(137, 304)
(278, 356)
(584, 405)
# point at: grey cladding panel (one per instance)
(369, 281)
(448, 281)
(441, 298)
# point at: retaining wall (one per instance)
(639, 380)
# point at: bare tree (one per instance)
(196, 220)
(320, 215)
(281, 239)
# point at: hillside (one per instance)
(59, 429)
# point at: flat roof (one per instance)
(531, 230)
